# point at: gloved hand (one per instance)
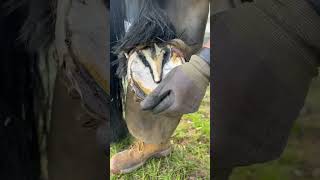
(182, 90)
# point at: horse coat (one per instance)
(67, 63)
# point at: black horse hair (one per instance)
(118, 128)
(152, 25)
(20, 158)
(38, 28)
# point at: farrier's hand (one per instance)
(182, 90)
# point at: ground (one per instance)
(191, 156)
(301, 159)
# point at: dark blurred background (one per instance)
(301, 158)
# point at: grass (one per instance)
(190, 158)
(300, 160)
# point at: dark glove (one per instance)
(182, 90)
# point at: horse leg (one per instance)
(73, 151)
(189, 18)
(73, 148)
